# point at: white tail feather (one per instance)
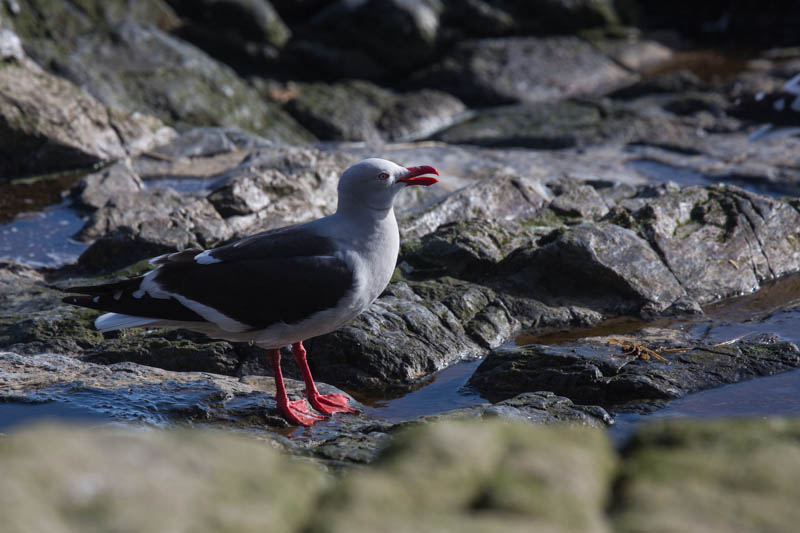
(112, 321)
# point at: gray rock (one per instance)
(482, 18)
(204, 152)
(196, 472)
(194, 90)
(550, 125)
(10, 46)
(471, 477)
(437, 322)
(104, 186)
(679, 473)
(380, 29)
(171, 398)
(23, 290)
(274, 187)
(418, 114)
(598, 371)
(233, 26)
(466, 249)
(152, 222)
(502, 198)
(360, 111)
(525, 69)
(346, 111)
(598, 266)
(533, 407)
(47, 124)
(722, 241)
(578, 200)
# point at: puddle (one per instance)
(13, 415)
(444, 392)
(43, 238)
(770, 396)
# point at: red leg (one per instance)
(324, 403)
(296, 411)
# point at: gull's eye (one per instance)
(383, 176)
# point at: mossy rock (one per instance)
(714, 476)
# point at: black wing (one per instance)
(278, 276)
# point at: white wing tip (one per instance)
(204, 258)
(114, 321)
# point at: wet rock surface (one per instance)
(600, 371)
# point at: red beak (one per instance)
(415, 176)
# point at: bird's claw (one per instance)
(330, 403)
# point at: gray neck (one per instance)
(350, 204)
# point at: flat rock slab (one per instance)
(526, 69)
(599, 371)
(536, 407)
(128, 391)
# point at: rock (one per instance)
(678, 473)
(364, 354)
(10, 46)
(466, 249)
(418, 114)
(438, 322)
(163, 221)
(104, 186)
(524, 69)
(517, 476)
(578, 200)
(23, 290)
(501, 198)
(200, 480)
(278, 187)
(47, 124)
(379, 29)
(602, 267)
(532, 407)
(346, 111)
(463, 165)
(251, 29)
(706, 236)
(203, 152)
(550, 125)
(328, 61)
(131, 392)
(635, 54)
(174, 81)
(597, 371)
(360, 111)
(482, 18)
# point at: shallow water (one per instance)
(43, 238)
(445, 391)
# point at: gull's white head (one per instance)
(374, 182)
